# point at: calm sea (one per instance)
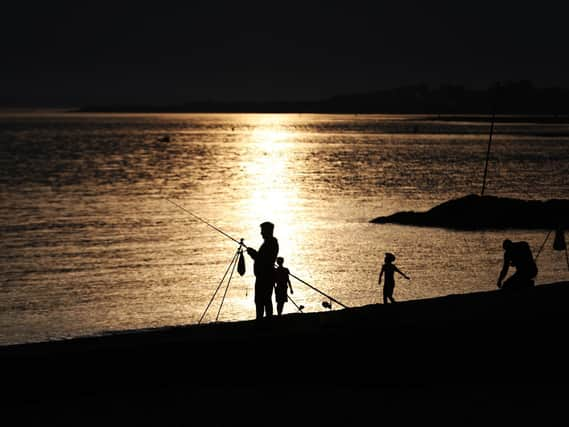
(90, 243)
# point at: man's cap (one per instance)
(267, 226)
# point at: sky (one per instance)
(82, 53)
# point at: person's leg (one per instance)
(269, 307)
(270, 299)
(259, 310)
(387, 293)
(527, 275)
(508, 284)
(258, 299)
(518, 280)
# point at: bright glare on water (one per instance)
(91, 244)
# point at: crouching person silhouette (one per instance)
(518, 255)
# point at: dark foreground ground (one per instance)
(490, 358)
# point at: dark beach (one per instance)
(458, 357)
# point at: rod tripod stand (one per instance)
(558, 245)
(237, 259)
(239, 262)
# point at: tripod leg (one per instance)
(233, 260)
(542, 245)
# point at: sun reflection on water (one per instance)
(272, 194)
(269, 194)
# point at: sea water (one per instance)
(91, 243)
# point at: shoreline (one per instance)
(493, 343)
(442, 313)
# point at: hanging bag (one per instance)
(241, 264)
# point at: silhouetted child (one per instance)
(282, 280)
(389, 284)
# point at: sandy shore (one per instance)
(489, 350)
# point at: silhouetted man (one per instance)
(264, 269)
(518, 255)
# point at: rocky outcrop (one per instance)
(475, 212)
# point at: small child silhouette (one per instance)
(282, 280)
(389, 284)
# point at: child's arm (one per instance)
(403, 274)
(380, 275)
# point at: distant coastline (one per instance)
(515, 98)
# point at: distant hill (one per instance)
(505, 98)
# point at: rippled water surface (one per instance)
(91, 243)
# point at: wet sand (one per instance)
(461, 357)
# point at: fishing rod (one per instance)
(318, 290)
(207, 223)
(240, 242)
(299, 308)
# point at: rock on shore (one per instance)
(473, 212)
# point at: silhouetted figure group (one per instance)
(266, 276)
(516, 254)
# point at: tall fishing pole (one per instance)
(488, 153)
(490, 139)
(245, 246)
